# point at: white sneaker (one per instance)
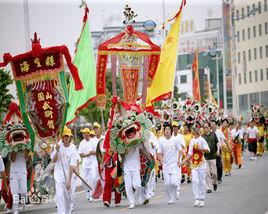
(131, 206)
(201, 203)
(251, 158)
(255, 158)
(178, 195)
(196, 203)
(170, 201)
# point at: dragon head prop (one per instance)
(129, 130)
(257, 112)
(14, 136)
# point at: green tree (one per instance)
(92, 113)
(5, 96)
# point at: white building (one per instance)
(250, 53)
(184, 81)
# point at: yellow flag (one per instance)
(163, 82)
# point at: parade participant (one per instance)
(226, 148)
(131, 167)
(74, 180)
(237, 135)
(198, 146)
(170, 153)
(211, 170)
(221, 142)
(64, 155)
(148, 190)
(3, 176)
(18, 178)
(110, 164)
(260, 143)
(239, 123)
(187, 138)
(88, 169)
(252, 139)
(180, 139)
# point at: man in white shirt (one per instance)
(198, 146)
(180, 139)
(64, 156)
(221, 141)
(132, 178)
(87, 151)
(148, 190)
(252, 139)
(170, 153)
(18, 177)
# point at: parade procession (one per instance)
(114, 125)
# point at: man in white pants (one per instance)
(148, 189)
(89, 170)
(18, 177)
(198, 146)
(180, 139)
(169, 153)
(132, 176)
(64, 156)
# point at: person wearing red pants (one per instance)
(110, 165)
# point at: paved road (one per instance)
(245, 192)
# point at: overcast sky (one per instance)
(59, 22)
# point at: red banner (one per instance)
(45, 105)
(101, 74)
(130, 80)
(154, 60)
(24, 67)
(196, 85)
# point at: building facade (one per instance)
(250, 53)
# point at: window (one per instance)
(248, 10)
(256, 76)
(266, 28)
(239, 78)
(238, 36)
(254, 31)
(260, 52)
(243, 13)
(243, 102)
(244, 56)
(254, 98)
(261, 74)
(266, 73)
(248, 33)
(266, 50)
(183, 79)
(238, 57)
(260, 31)
(264, 98)
(253, 8)
(265, 5)
(245, 78)
(250, 77)
(237, 14)
(243, 35)
(249, 55)
(255, 53)
(259, 6)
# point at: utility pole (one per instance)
(27, 36)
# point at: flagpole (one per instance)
(102, 120)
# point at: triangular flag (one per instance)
(85, 62)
